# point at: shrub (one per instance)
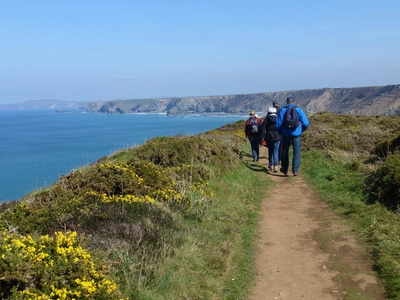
(134, 202)
(51, 267)
(178, 150)
(356, 134)
(135, 205)
(384, 184)
(131, 201)
(386, 147)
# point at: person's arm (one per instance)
(263, 130)
(279, 120)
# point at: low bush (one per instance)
(175, 151)
(384, 183)
(134, 202)
(386, 147)
(353, 134)
(51, 267)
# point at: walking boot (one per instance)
(285, 173)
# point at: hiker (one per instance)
(278, 108)
(252, 131)
(291, 123)
(272, 137)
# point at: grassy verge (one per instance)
(343, 186)
(217, 261)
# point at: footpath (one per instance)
(305, 251)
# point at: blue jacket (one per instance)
(281, 128)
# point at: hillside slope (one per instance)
(367, 101)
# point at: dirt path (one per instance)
(305, 251)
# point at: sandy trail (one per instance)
(305, 251)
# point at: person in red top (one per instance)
(252, 131)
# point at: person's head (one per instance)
(290, 100)
(272, 110)
(275, 104)
(252, 113)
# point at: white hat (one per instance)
(272, 110)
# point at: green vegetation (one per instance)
(54, 267)
(143, 223)
(176, 218)
(354, 165)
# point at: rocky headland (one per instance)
(367, 101)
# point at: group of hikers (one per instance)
(281, 128)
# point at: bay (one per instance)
(38, 146)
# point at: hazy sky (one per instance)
(130, 49)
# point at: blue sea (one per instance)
(38, 146)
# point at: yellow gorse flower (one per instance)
(58, 253)
(124, 198)
(123, 168)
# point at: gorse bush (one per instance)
(386, 147)
(134, 201)
(233, 132)
(384, 184)
(360, 142)
(105, 191)
(357, 134)
(118, 204)
(178, 150)
(51, 267)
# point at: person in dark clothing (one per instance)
(252, 131)
(273, 139)
(278, 108)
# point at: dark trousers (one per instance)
(287, 142)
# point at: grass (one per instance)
(343, 179)
(217, 262)
(354, 294)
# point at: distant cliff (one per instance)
(44, 104)
(368, 101)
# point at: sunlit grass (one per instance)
(352, 163)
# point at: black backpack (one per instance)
(292, 118)
(254, 125)
(271, 118)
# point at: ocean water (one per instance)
(37, 146)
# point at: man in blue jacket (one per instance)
(291, 135)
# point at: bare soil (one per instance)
(305, 251)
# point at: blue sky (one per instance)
(107, 50)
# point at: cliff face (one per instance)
(367, 101)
